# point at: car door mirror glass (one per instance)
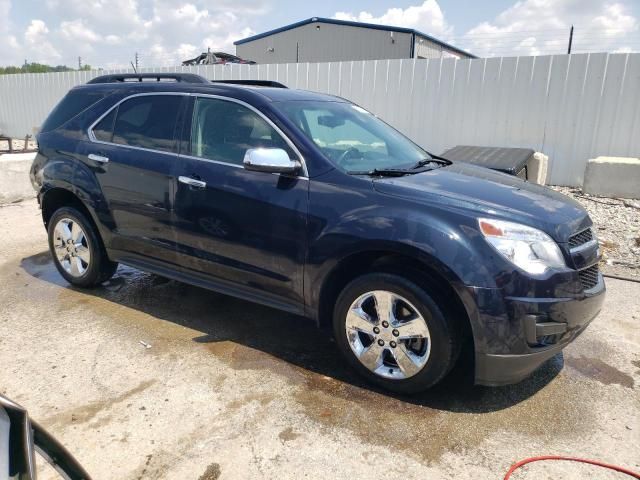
(271, 160)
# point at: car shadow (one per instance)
(287, 337)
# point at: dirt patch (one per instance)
(87, 412)
(212, 472)
(288, 434)
(241, 357)
(263, 399)
(425, 426)
(600, 371)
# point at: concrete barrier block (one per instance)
(14, 177)
(613, 177)
(537, 168)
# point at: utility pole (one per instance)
(136, 69)
(570, 40)
(79, 63)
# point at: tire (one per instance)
(431, 353)
(83, 262)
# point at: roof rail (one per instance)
(253, 83)
(129, 77)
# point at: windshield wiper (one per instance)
(386, 172)
(434, 159)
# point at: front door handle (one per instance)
(192, 182)
(98, 158)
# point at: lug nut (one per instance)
(393, 344)
(376, 330)
(385, 324)
(381, 343)
(396, 333)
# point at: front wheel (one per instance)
(394, 333)
(77, 250)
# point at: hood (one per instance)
(492, 194)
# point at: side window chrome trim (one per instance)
(305, 172)
(234, 165)
(93, 139)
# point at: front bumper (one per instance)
(514, 335)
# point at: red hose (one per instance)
(519, 464)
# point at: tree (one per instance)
(39, 68)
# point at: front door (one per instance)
(134, 149)
(244, 230)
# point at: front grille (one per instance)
(589, 277)
(580, 238)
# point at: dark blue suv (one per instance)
(312, 205)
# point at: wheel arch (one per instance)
(56, 197)
(420, 268)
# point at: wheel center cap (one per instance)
(386, 335)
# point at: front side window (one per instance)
(147, 121)
(222, 130)
(352, 138)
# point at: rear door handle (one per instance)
(192, 182)
(98, 158)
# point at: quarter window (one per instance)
(103, 131)
(223, 130)
(72, 104)
(148, 121)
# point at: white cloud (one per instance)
(6, 37)
(528, 27)
(36, 32)
(76, 30)
(427, 17)
(534, 27)
(108, 33)
(36, 41)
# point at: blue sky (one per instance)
(107, 33)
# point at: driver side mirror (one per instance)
(270, 160)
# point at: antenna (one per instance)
(570, 40)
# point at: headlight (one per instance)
(527, 248)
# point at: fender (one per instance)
(437, 239)
(58, 168)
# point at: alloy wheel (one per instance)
(71, 247)
(388, 334)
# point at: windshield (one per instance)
(352, 138)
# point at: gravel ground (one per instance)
(618, 225)
(233, 390)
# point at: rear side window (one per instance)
(71, 105)
(148, 122)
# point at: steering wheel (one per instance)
(349, 153)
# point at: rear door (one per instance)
(244, 230)
(134, 148)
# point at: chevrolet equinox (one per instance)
(312, 205)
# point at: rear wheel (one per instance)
(394, 332)
(77, 250)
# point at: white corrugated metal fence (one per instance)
(571, 107)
